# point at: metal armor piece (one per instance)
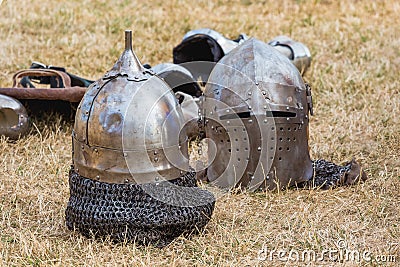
(178, 78)
(297, 52)
(256, 110)
(126, 120)
(191, 114)
(203, 45)
(329, 175)
(226, 45)
(208, 45)
(130, 177)
(129, 212)
(13, 118)
(187, 91)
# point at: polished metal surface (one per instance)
(178, 78)
(206, 44)
(13, 118)
(226, 44)
(297, 52)
(128, 127)
(191, 114)
(256, 112)
(203, 45)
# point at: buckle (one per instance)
(309, 99)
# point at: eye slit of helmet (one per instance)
(281, 114)
(242, 115)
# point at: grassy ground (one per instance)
(355, 80)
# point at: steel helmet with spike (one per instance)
(130, 177)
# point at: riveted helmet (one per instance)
(256, 112)
(130, 177)
(13, 118)
(125, 119)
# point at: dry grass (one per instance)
(355, 81)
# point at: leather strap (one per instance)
(66, 80)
